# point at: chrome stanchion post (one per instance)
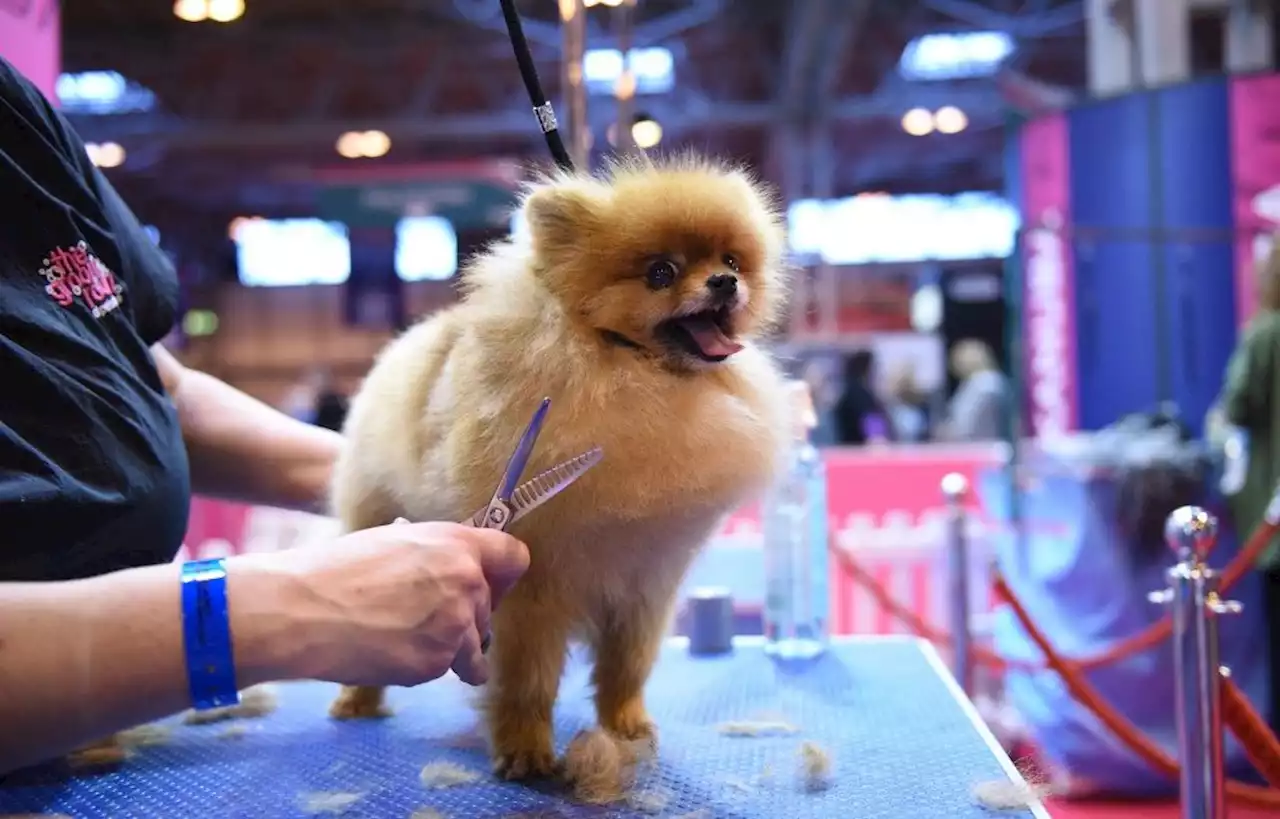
(1191, 533)
(954, 489)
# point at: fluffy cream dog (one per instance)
(634, 304)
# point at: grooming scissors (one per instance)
(512, 500)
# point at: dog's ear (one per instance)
(558, 216)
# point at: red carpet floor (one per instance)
(1141, 810)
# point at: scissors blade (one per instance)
(519, 458)
(545, 485)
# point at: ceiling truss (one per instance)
(439, 79)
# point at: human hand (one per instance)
(400, 604)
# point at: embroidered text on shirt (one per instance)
(75, 272)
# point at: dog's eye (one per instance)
(661, 275)
(731, 262)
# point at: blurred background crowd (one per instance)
(1031, 235)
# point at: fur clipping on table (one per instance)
(256, 701)
(1012, 796)
(815, 767)
(330, 802)
(757, 728)
(440, 775)
(1004, 796)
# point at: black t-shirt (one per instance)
(93, 472)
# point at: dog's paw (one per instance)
(632, 723)
(525, 764)
(359, 703)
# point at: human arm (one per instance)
(83, 659)
(395, 605)
(241, 449)
(1251, 373)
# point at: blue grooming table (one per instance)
(903, 740)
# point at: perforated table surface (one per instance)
(903, 742)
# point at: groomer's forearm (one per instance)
(81, 660)
(242, 449)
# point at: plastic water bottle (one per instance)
(795, 545)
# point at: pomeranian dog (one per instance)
(632, 303)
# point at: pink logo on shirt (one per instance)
(75, 273)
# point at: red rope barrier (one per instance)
(914, 621)
(1083, 691)
(1144, 640)
(1260, 744)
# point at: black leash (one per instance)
(541, 107)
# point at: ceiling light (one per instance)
(349, 145)
(363, 144)
(646, 133)
(224, 11)
(917, 122)
(927, 308)
(624, 88)
(375, 144)
(191, 11)
(238, 223)
(106, 155)
(950, 120)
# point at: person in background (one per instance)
(331, 409)
(977, 410)
(300, 402)
(906, 403)
(1250, 401)
(860, 417)
(817, 375)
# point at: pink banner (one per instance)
(1255, 166)
(1049, 350)
(30, 39)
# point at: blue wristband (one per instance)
(206, 635)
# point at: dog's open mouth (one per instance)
(707, 335)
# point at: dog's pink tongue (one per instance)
(709, 338)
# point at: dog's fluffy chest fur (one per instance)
(680, 453)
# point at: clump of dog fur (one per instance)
(635, 301)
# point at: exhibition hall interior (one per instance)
(919, 361)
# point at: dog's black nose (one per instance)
(722, 285)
